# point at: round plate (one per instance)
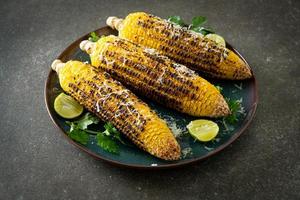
(131, 156)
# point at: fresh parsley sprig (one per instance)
(110, 130)
(106, 143)
(107, 139)
(236, 109)
(219, 88)
(177, 20)
(196, 25)
(83, 122)
(93, 37)
(80, 136)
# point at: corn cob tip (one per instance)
(86, 46)
(57, 65)
(172, 152)
(247, 71)
(239, 68)
(222, 108)
(242, 69)
(114, 22)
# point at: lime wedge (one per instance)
(67, 107)
(203, 130)
(217, 38)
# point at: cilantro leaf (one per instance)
(202, 30)
(234, 106)
(106, 143)
(109, 127)
(219, 88)
(110, 130)
(94, 37)
(176, 20)
(79, 136)
(107, 140)
(197, 21)
(84, 122)
(78, 128)
(196, 25)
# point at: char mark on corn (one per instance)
(157, 77)
(111, 101)
(183, 46)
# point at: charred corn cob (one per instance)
(182, 45)
(110, 101)
(156, 77)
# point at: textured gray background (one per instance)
(36, 162)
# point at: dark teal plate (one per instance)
(131, 156)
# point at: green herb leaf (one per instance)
(197, 21)
(234, 106)
(77, 128)
(94, 37)
(110, 130)
(176, 20)
(85, 121)
(195, 26)
(202, 30)
(106, 140)
(79, 136)
(219, 88)
(106, 143)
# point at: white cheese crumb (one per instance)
(175, 129)
(186, 152)
(150, 51)
(154, 164)
(208, 148)
(240, 86)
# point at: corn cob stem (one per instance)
(110, 101)
(87, 46)
(114, 22)
(57, 65)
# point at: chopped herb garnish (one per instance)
(176, 20)
(94, 37)
(219, 88)
(202, 30)
(196, 24)
(106, 143)
(198, 21)
(110, 130)
(84, 122)
(79, 136)
(80, 133)
(78, 128)
(235, 107)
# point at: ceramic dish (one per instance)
(131, 156)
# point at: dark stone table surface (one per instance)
(36, 162)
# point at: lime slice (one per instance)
(203, 130)
(67, 107)
(217, 38)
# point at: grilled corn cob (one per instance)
(110, 101)
(182, 45)
(156, 77)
